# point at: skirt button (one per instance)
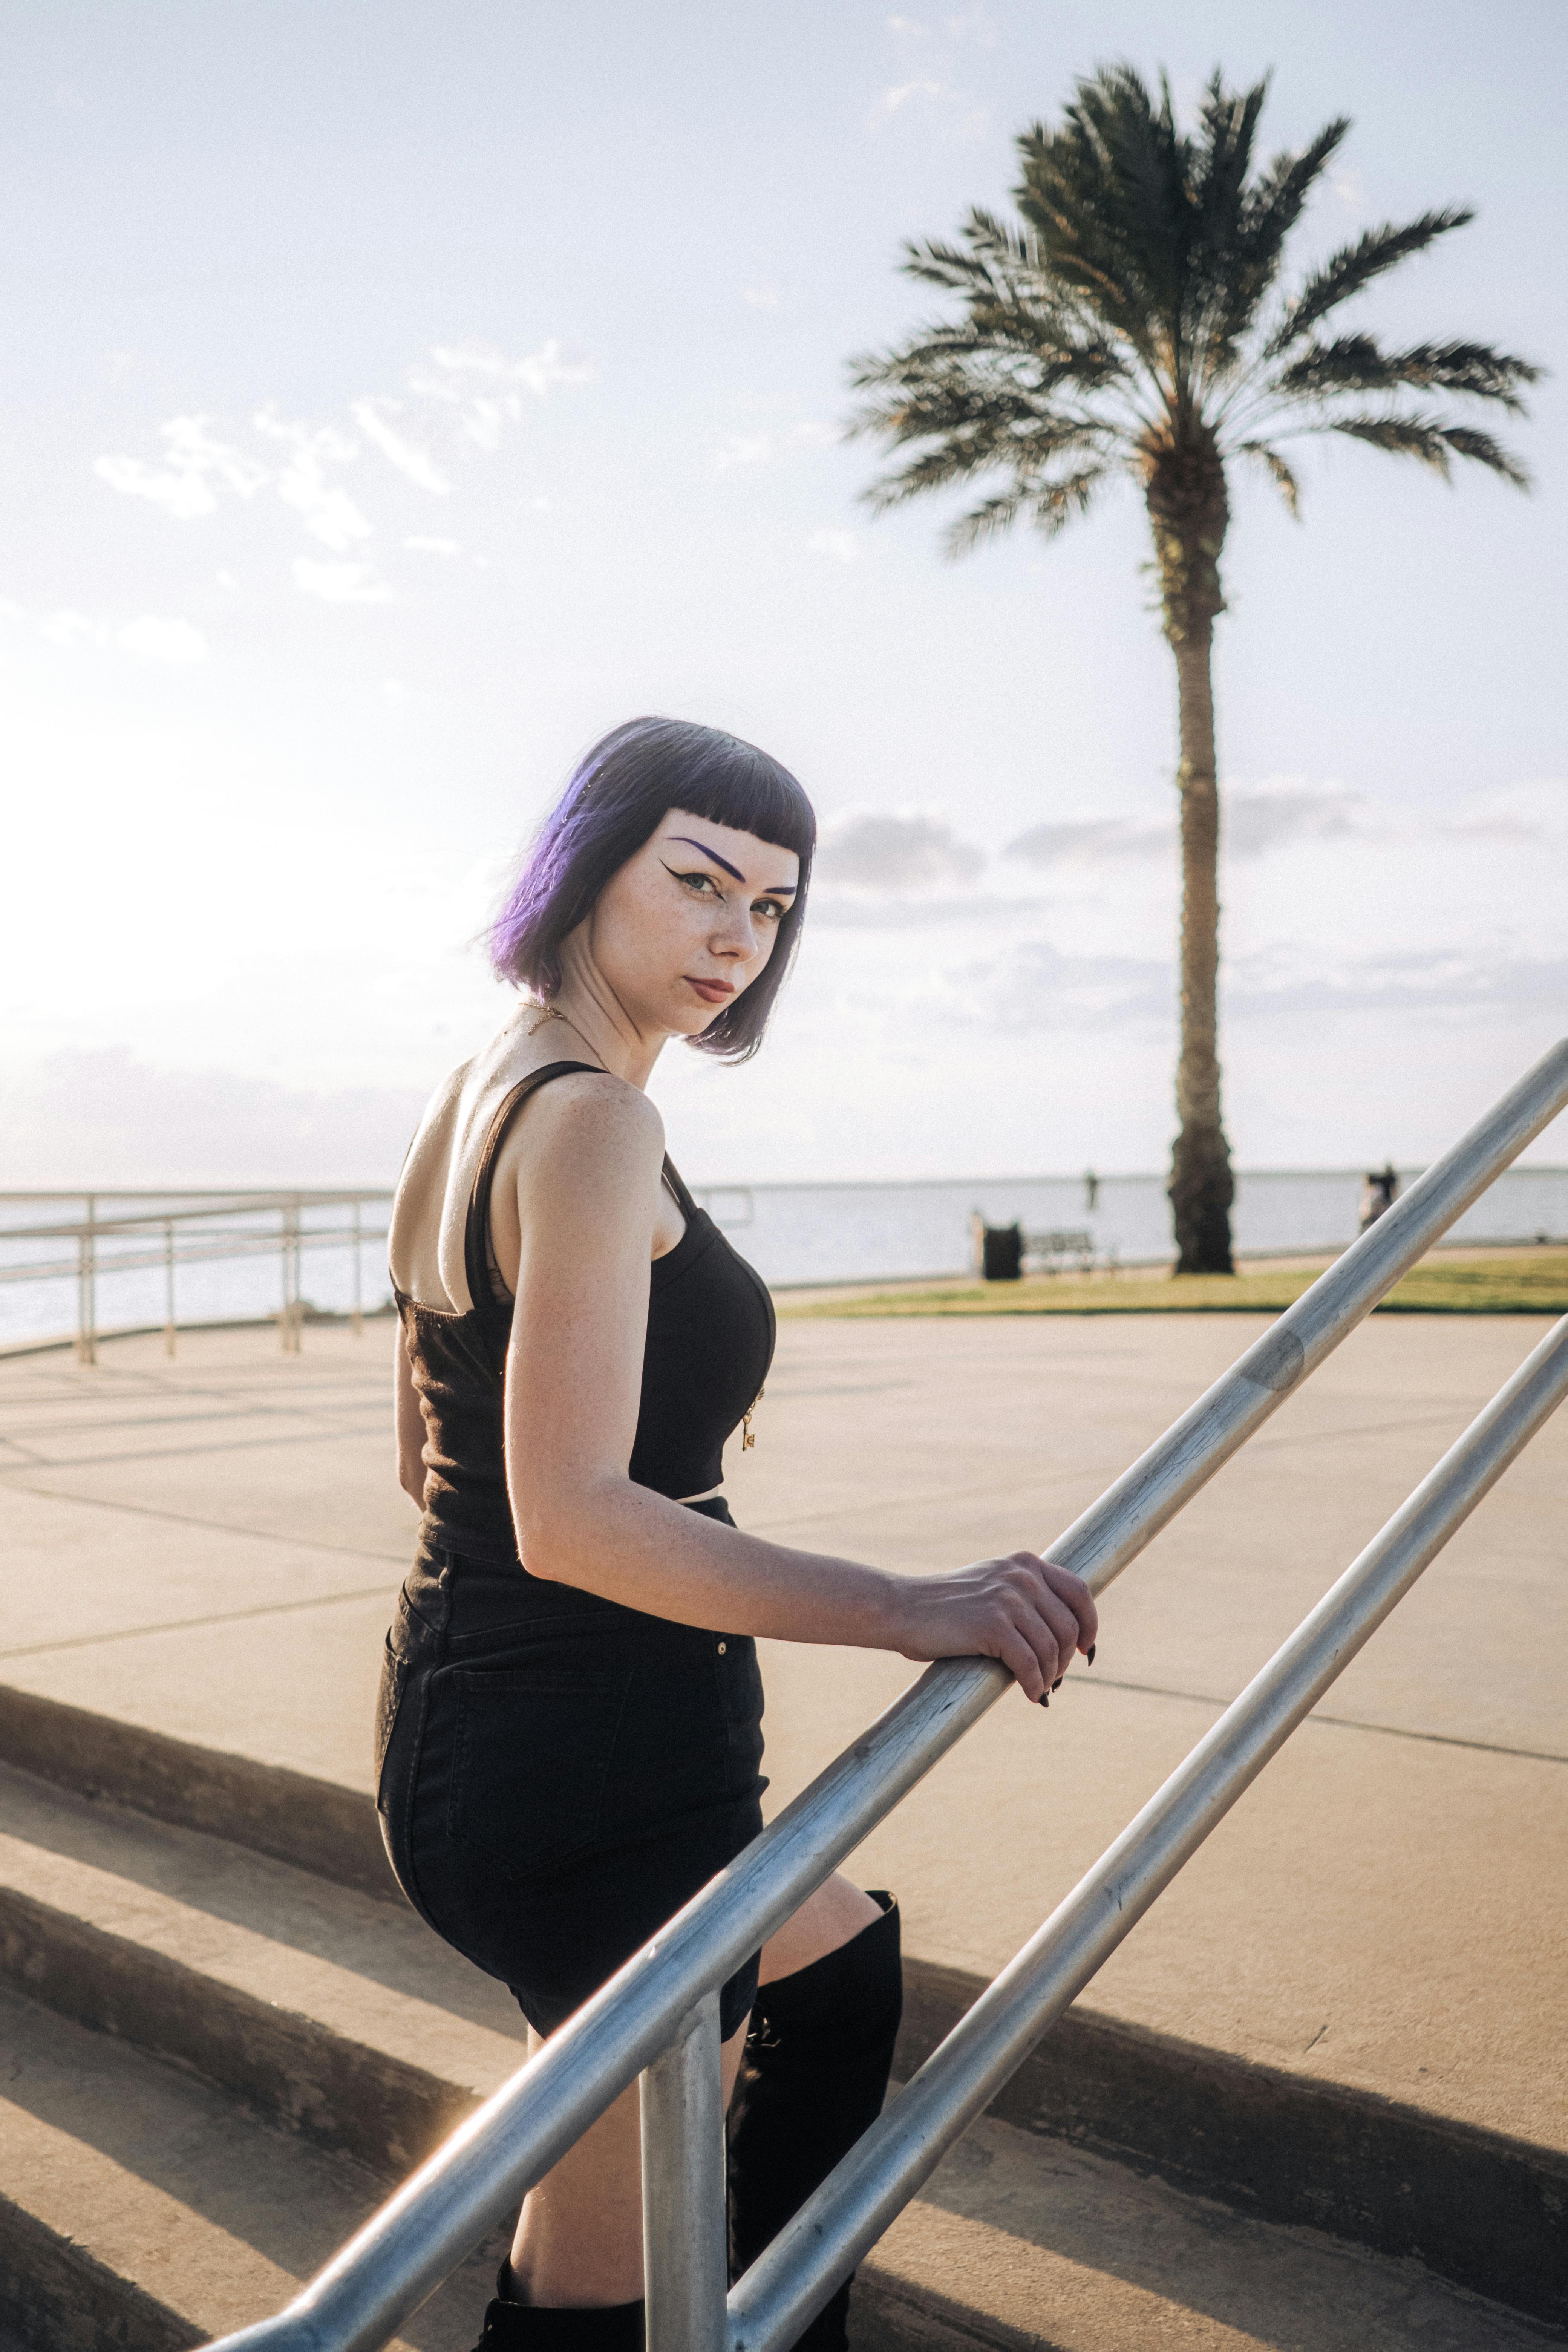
(722, 1647)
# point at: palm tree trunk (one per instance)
(1201, 1185)
(1189, 511)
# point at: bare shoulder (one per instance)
(586, 1125)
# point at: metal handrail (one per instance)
(106, 1246)
(647, 2010)
(821, 2245)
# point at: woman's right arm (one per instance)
(588, 1180)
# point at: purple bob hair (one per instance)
(619, 793)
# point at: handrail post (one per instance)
(86, 1288)
(686, 2272)
(169, 1288)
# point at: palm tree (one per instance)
(1130, 324)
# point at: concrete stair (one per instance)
(216, 2061)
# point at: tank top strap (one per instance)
(475, 1232)
(677, 1183)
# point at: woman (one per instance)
(568, 1745)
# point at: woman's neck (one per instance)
(595, 1019)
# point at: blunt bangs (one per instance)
(617, 797)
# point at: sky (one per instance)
(395, 398)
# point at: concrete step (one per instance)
(211, 1994)
(1024, 2244)
(142, 2210)
(336, 2014)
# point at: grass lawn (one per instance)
(1523, 1283)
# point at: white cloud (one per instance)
(420, 545)
(325, 508)
(841, 545)
(745, 449)
(473, 389)
(974, 25)
(895, 849)
(408, 458)
(1252, 822)
(70, 629)
(487, 388)
(195, 467)
(1295, 977)
(163, 641)
(1089, 841)
(762, 448)
(340, 583)
(908, 28)
(761, 297)
(893, 101)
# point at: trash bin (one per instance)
(1002, 1253)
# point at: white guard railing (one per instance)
(658, 2015)
(201, 1229)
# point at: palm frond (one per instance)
(1433, 441)
(1118, 323)
(1284, 480)
(1355, 265)
(1049, 506)
(1358, 363)
(1483, 450)
(1245, 262)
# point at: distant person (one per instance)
(569, 1725)
(1380, 1189)
(1091, 1191)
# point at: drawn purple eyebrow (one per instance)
(775, 889)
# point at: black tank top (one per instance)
(711, 1334)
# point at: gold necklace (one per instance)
(546, 1013)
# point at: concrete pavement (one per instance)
(210, 1550)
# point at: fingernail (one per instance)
(1057, 1683)
(1045, 1699)
(1089, 1660)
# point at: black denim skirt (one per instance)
(557, 1775)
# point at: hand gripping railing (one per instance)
(659, 2011)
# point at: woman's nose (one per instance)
(738, 935)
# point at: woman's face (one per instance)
(688, 922)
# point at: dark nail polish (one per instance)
(1089, 1659)
(1045, 1698)
(1058, 1682)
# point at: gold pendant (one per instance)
(748, 1435)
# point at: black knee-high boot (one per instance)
(818, 2053)
(511, 2327)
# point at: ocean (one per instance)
(795, 1234)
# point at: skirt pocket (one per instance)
(531, 1747)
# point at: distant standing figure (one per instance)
(1379, 1192)
(1090, 1191)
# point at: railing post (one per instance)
(356, 1319)
(169, 1288)
(290, 1318)
(86, 1288)
(686, 2272)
